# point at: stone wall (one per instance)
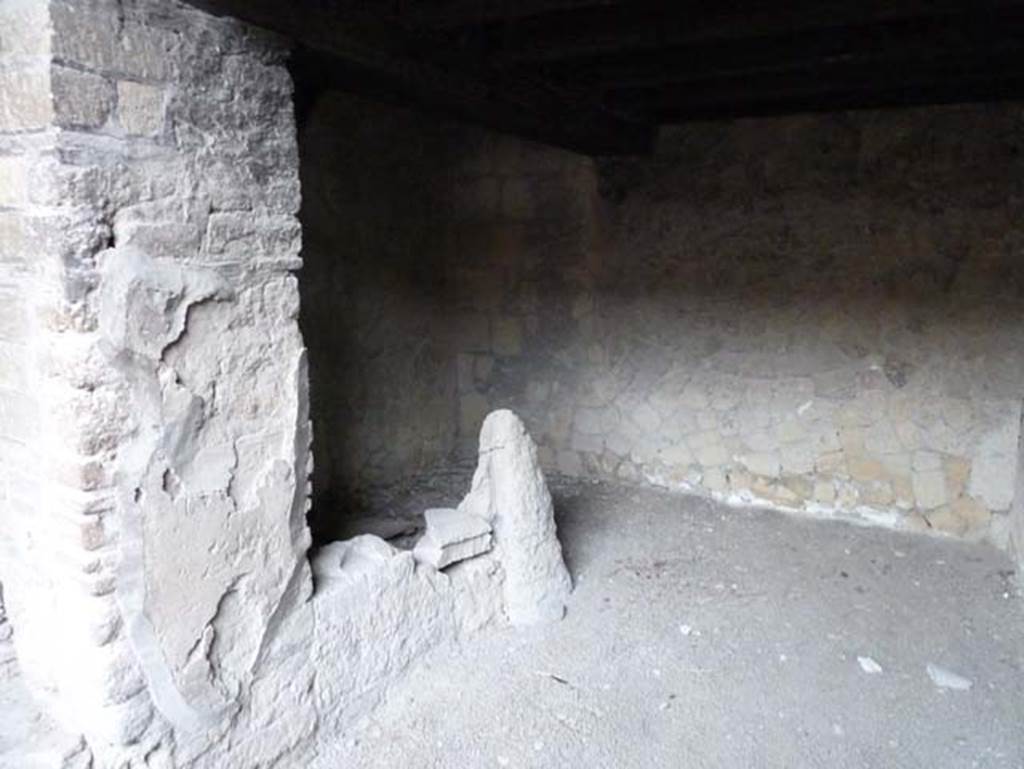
(153, 418)
(816, 313)
(828, 314)
(412, 226)
(375, 188)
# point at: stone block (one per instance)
(354, 561)
(13, 181)
(945, 520)
(239, 235)
(80, 99)
(508, 337)
(14, 319)
(676, 455)
(958, 471)
(797, 459)
(762, 463)
(451, 536)
(19, 416)
(714, 479)
(588, 444)
(711, 455)
(569, 463)
(96, 36)
(802, 488)
(24, 29)
(865, 469)
(994, 464)
(929, 489)
(927, 460)
(14, 373)
(903, 492)
(831, 463)
(792, 431)
(140, 108)
(773, 492)
(472, 410)
(876, 493)
(824, 492)
(974, 515)
(26, 103)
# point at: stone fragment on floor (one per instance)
(947, 679)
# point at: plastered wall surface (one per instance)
(819, 313)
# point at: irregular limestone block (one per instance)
(510, 493)
(452, 536)
(355, 560)
(376, 613)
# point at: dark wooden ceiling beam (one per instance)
(1006, 88)
(900, 41)
(382, 61)
(653, 24)
(840, 85)
(446, 14)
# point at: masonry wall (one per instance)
(375, 187)
(404, 217)
(818, 313)
(152, 394)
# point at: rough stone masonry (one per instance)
(154, 424)
(820, 313)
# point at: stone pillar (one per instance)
(153, 420)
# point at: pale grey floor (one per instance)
(702, 636)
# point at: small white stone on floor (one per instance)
(868, 665)
(685, 629)
(947, 679)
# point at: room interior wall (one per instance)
(818, 313)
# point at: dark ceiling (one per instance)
(599, 76)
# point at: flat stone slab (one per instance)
(452, 536)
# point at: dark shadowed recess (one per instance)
(599, 76)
